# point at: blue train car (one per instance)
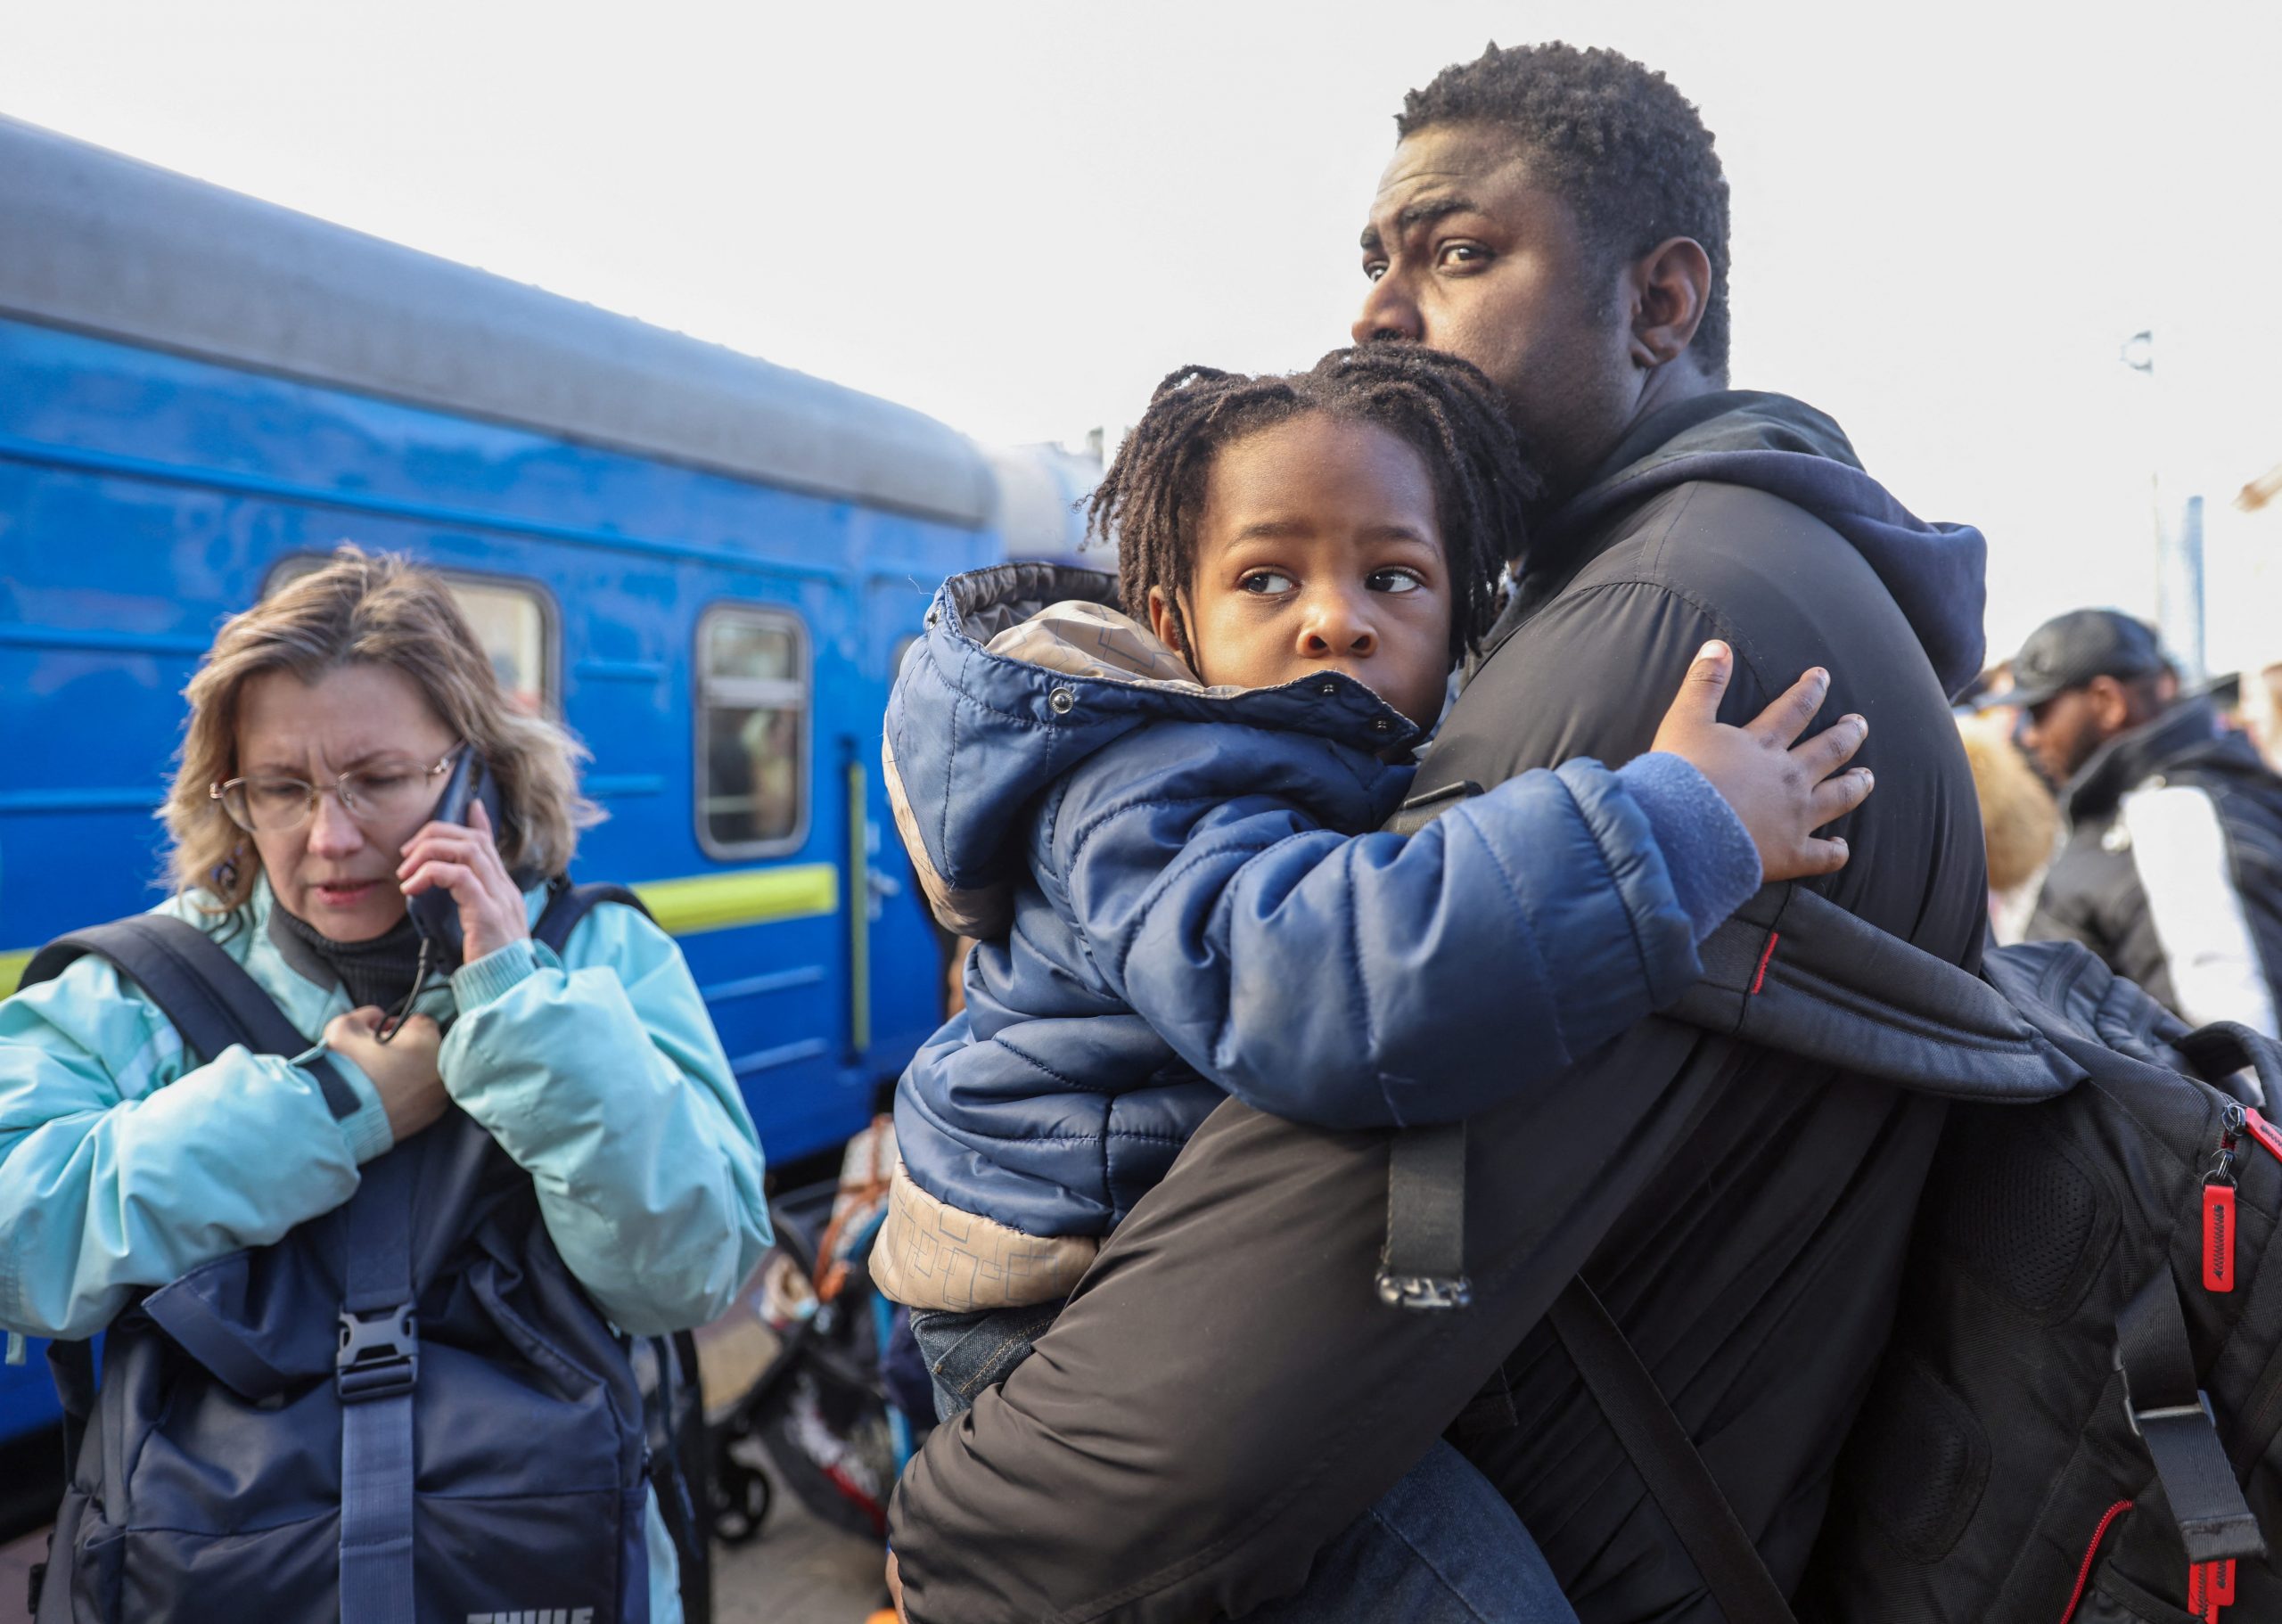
(706, 564)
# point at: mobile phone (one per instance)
(435, 912)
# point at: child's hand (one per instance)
(1783, 792)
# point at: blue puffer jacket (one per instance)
(1173, 910)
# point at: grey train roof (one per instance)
(112, 245)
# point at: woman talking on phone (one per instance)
(370, 1303)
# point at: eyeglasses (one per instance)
(384, 792)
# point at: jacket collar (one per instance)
(974, 633)
(2132, 757)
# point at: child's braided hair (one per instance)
(1440, 405)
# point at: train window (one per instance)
(753, 731)
(509, 618)
(511, 623)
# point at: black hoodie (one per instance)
(1757, 1264)
(1226, 1391)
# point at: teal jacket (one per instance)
(123, 1165)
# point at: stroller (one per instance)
(834, 1408)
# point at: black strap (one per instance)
(1667, 1460)
(673, 1396)
(2223, 1047)
(1423, 1264)
(208, 997)
(375, 1376)
(2172, 1416)
(72, 1367)
(568, 904)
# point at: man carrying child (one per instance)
(1225, 1393)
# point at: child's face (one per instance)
(1318, 549)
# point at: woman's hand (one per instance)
(1782, 790)
(403, 1069)
(464, 858)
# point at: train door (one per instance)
(766, 931)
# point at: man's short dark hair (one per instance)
(1614, 140)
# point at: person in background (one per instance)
(2020, 820)
(2173, 871)
(2261, 711)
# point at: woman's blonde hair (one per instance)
(377, 609)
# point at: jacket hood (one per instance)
(2186, 736)
(1788, 450)
(1028, 669)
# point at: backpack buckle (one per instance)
(2134, 1414)
(379, 1356)
(1425, 1291)
(2176, 1412)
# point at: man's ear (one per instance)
(1670, 284)
(1162, 621)
(2111, 705)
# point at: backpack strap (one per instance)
(567, 904)
(377, 1369)
(1793, 971)
(71, 1366)
(373, 1376)
(206, 994)
(1423, 1264)
(2171, 1415)
(1679, 1480)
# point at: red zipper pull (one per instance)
(2262, 1130)
(2219, 1207)
(2210, 1586)
(2217, 1237)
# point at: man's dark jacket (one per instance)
(1226, 1391)
(2195, 810)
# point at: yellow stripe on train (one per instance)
(746, 897)
(682, 908)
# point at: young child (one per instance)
(1152, 800)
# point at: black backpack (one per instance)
(254, 1431)
(2076, 1421)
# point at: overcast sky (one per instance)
(1948, 218)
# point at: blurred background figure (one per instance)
(2172, 869)
(2261, 711)
(2020, 820)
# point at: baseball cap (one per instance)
(2070, 650)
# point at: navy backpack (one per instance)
(406, 1411)
(2078, 1419)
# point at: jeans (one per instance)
(1441, 1546)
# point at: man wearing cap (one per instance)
(2172, 872)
